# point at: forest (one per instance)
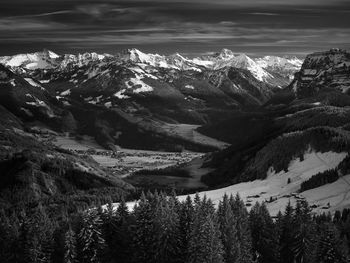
(161, 228)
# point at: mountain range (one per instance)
(273, 111)
(139, 89)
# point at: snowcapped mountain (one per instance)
(172, 86)
(226, 58)
(32, 61)
(81, 59)
(286, 66)
(272, 70)
(48, 60)
(279, 62)
(175, 61)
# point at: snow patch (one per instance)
(33, 83)
(189, 87)
(137, 82)
(66, 93)
(120, 94)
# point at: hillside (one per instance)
(288, 128)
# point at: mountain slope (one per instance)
(313, 118)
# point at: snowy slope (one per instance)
(175, 61)
(260, 68)
(275, 185)
(225, 59)
(47, 60)
(292, 63)
(37, 60)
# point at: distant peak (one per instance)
(47, 53)
(226, 53)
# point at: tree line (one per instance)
(161, 229)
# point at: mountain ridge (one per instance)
(226, 58)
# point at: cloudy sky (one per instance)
(191, 27)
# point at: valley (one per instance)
(150, 131)
(209, 124)
(124, 162)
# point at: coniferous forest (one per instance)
(160, 229)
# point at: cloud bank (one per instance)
(193, 27)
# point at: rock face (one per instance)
(323, 71)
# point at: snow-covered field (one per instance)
(276, 185)
(327, 198)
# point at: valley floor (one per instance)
(125, 161)
(274, 190)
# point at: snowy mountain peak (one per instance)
(37, 60)
(48, 59)
(263, 69)
(279, 62)
(225, 54)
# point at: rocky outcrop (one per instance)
(322, 71)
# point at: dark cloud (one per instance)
(166, 26)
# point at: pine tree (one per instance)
(121, 245)
(331, 248)
(70, 247)
(304, 234)
(228, 228)
(186, 218)
(122, 210)
(90, 237)
(286, 235)
(109, 230)
(243, 229)
(167, 232)
(144, 232)
(205, 245)
(36, 237)
(264, 235)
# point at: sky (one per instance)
(192, 27)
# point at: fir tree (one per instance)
(303, 245)
(228, 228)
(205, 244)
(186, 218)
(70, 247)
(90, 237)
(331, 249)
(167, 232)
(122, 237)
(144, 232)
(243, 229)
(264, 235)
(286, 235)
